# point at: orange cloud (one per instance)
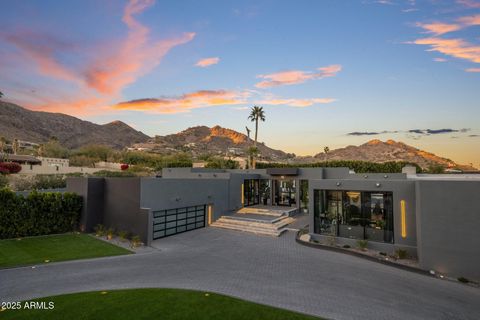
(439, 28)
(457, 48)
(439, 59)
(100, 80)
(186, 102)
(470, 20)
(203, 63)
(296, 76)
(472, 70)
(300, 103)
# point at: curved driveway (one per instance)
(272, 271)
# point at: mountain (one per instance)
(204, 140)
(390, 150)
(35, 126)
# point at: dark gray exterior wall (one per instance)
(402, 190)
(448, 220)
(92, 192)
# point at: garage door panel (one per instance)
(173, 221)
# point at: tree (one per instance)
(53, 149)
(256, 114)
(326, 150)
(1, 94)
(3, 143)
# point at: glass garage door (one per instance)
(173, 221)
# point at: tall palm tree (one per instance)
(256, 114)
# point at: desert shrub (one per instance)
(346, 246)
(401, 254)
(362, 244)
(3, 181)
(463, 280)
(38, 213)
(10, 167)
(124, 166)
(136, 241)
(49, 181)
(123, 235)
(99, 230)
(110, 233)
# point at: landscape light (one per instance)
(403, 219)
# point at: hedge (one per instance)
(10, 167)
(357, 166)
(38, 213)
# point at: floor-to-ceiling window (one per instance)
(285, 192)
(304, 195)
(354, 214)
(250, 192)
(265, 189)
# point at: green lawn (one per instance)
(164, 304)
(36, 250)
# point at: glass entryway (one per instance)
(354, 214)
(285, 192)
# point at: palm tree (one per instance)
(256, 113)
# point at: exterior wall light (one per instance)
(365, 176)
(403, 218)
(377, 184)
(243, 194)
(339, 184)
(385, 176)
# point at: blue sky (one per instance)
(321, 69)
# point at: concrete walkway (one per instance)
(272, 271)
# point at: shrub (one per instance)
(123, 235)
(124, 166)
(463, 280)
(113, 174)
(382, 253)
(49, 181)
(346, 246)
(99, 230)
(401, 254)
(3, 181)
(38, 213)
(362, 244)
(110, 233)
(10, 167)
(136, 241)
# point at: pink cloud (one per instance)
(439, 59)
(470, 20)
(472, 70)
(296, 76)
(186, 102)
(203, 63)
(457, 48)
(100, 79)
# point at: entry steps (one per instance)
(269, 211)
(251, 223)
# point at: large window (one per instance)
(354, 214)
(251, 192)
(285, 192)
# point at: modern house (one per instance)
(433, 217)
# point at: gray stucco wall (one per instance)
(401, 189)
(162, 194)
(448, 220)
(122, 209)
(92, 192)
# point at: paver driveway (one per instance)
(273, 271)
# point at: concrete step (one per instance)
(266, 212)
(259, 224)
(262, 231)
(254, 226)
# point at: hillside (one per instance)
(390, 150)
(204, 140)
(35, 126)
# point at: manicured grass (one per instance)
(35, 250)
(165, 304)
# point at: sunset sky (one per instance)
(328, 73)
